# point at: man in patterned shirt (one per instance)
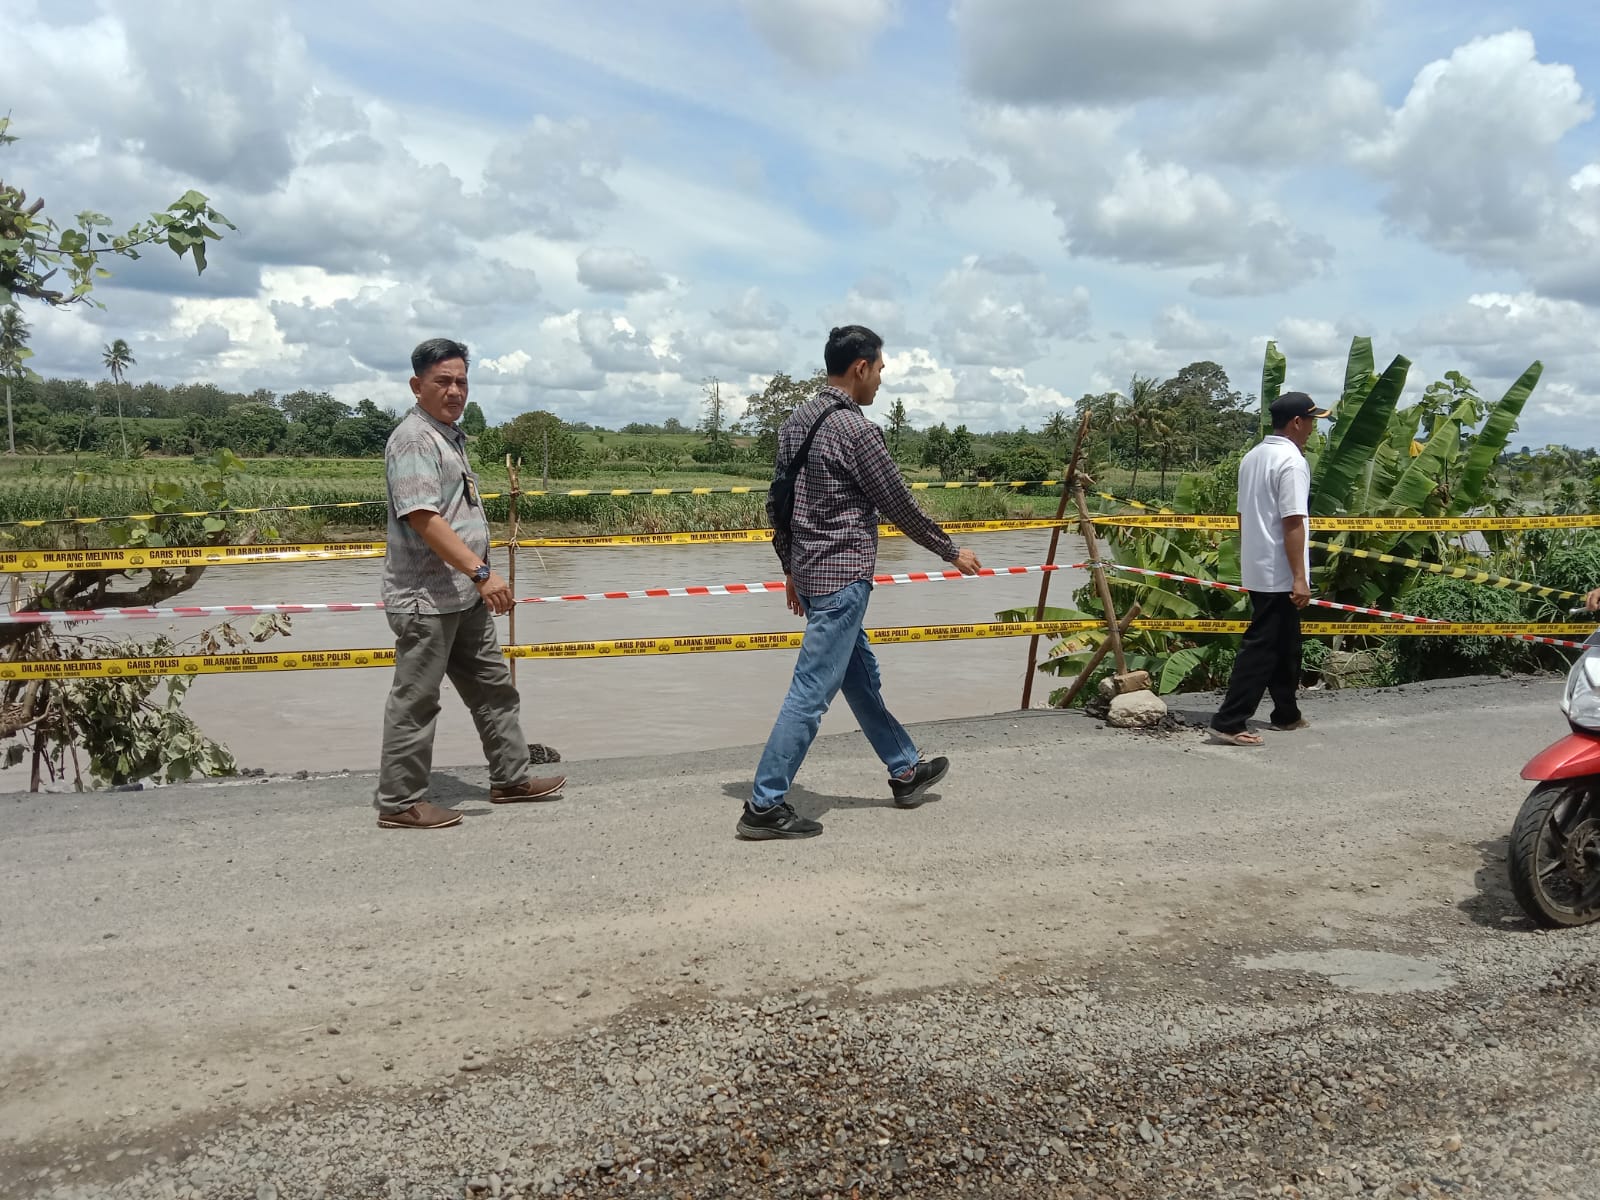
(441, 597)
(829, 555)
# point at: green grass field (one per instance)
(51, 487)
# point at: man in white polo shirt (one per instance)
(1275, 565)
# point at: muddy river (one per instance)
(597, 708)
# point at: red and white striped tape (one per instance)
(252, 610)
(1349, 608)
(71, 616)
(1234, 587)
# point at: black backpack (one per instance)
(784, 484)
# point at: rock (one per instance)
(346, 1077)
(1137, 710)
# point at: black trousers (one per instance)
(1269, 661)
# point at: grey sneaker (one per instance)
(779, 821)
(539, 754)
(908, 792)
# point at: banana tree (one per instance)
(1369, 463)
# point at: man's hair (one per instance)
(435, 351)
(846, 344)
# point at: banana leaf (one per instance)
(1358, 384)
(1366, 429)
(1421, 479)
(1272, 373)
(1180, 665)
(1491, 440)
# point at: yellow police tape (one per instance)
(20, 562)
(321, 660)
(733, 490)
(707, 537)
(1360, 524)
(1462, 573)
(144, 558)
(134, 558)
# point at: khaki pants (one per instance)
(465, 647)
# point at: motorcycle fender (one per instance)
(1575, 755)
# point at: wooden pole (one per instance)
(1099, 653)
(1101, 584)
(511, 559)
(1067, 482)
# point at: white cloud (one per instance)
(953, 180)
(827, 36)
(615, 346)
(551, 178)
(752, 310)
(1047, 51)
(1176, 328)
(614, 269)
(1472, 162)
(1302, 111)
(1004, 320)
(1122, 207)
(188, 87)
(873, 301)
(1216, 151)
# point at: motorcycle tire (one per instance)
(1555, 879)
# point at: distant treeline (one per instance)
(56, 416)
(1164, 426)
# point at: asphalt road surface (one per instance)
(1095, 963)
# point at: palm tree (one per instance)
(118, 358)
(1140, 418)
(1055, 428)
(13, 349)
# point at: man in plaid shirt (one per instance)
(829, 555)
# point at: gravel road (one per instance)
(1098, 964)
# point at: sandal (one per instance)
(1242, 738)
(1302, 723)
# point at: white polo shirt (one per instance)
(1274, 483)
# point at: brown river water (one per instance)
(591, 708)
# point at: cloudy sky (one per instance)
(611, 201)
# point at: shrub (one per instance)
(1441, 657)
(1572, 566)
(1023, 462)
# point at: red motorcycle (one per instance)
(1554, 855)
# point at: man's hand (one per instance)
(496, 593)
(1300, 593)
(1592, 601)
(792, 597)
(966, 562)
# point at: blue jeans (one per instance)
(835, 656)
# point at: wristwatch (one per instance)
(481, 573)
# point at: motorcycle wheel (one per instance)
(1554, 854)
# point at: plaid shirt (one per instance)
(425, 462)
(848, 480)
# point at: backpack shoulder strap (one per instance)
(798, 462)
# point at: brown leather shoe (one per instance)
(529, 789)
(421, 815)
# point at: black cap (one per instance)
(1294, 404)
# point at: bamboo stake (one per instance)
(511, 559)
(1113, 634)
(1067, 483)
(1128, 619)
